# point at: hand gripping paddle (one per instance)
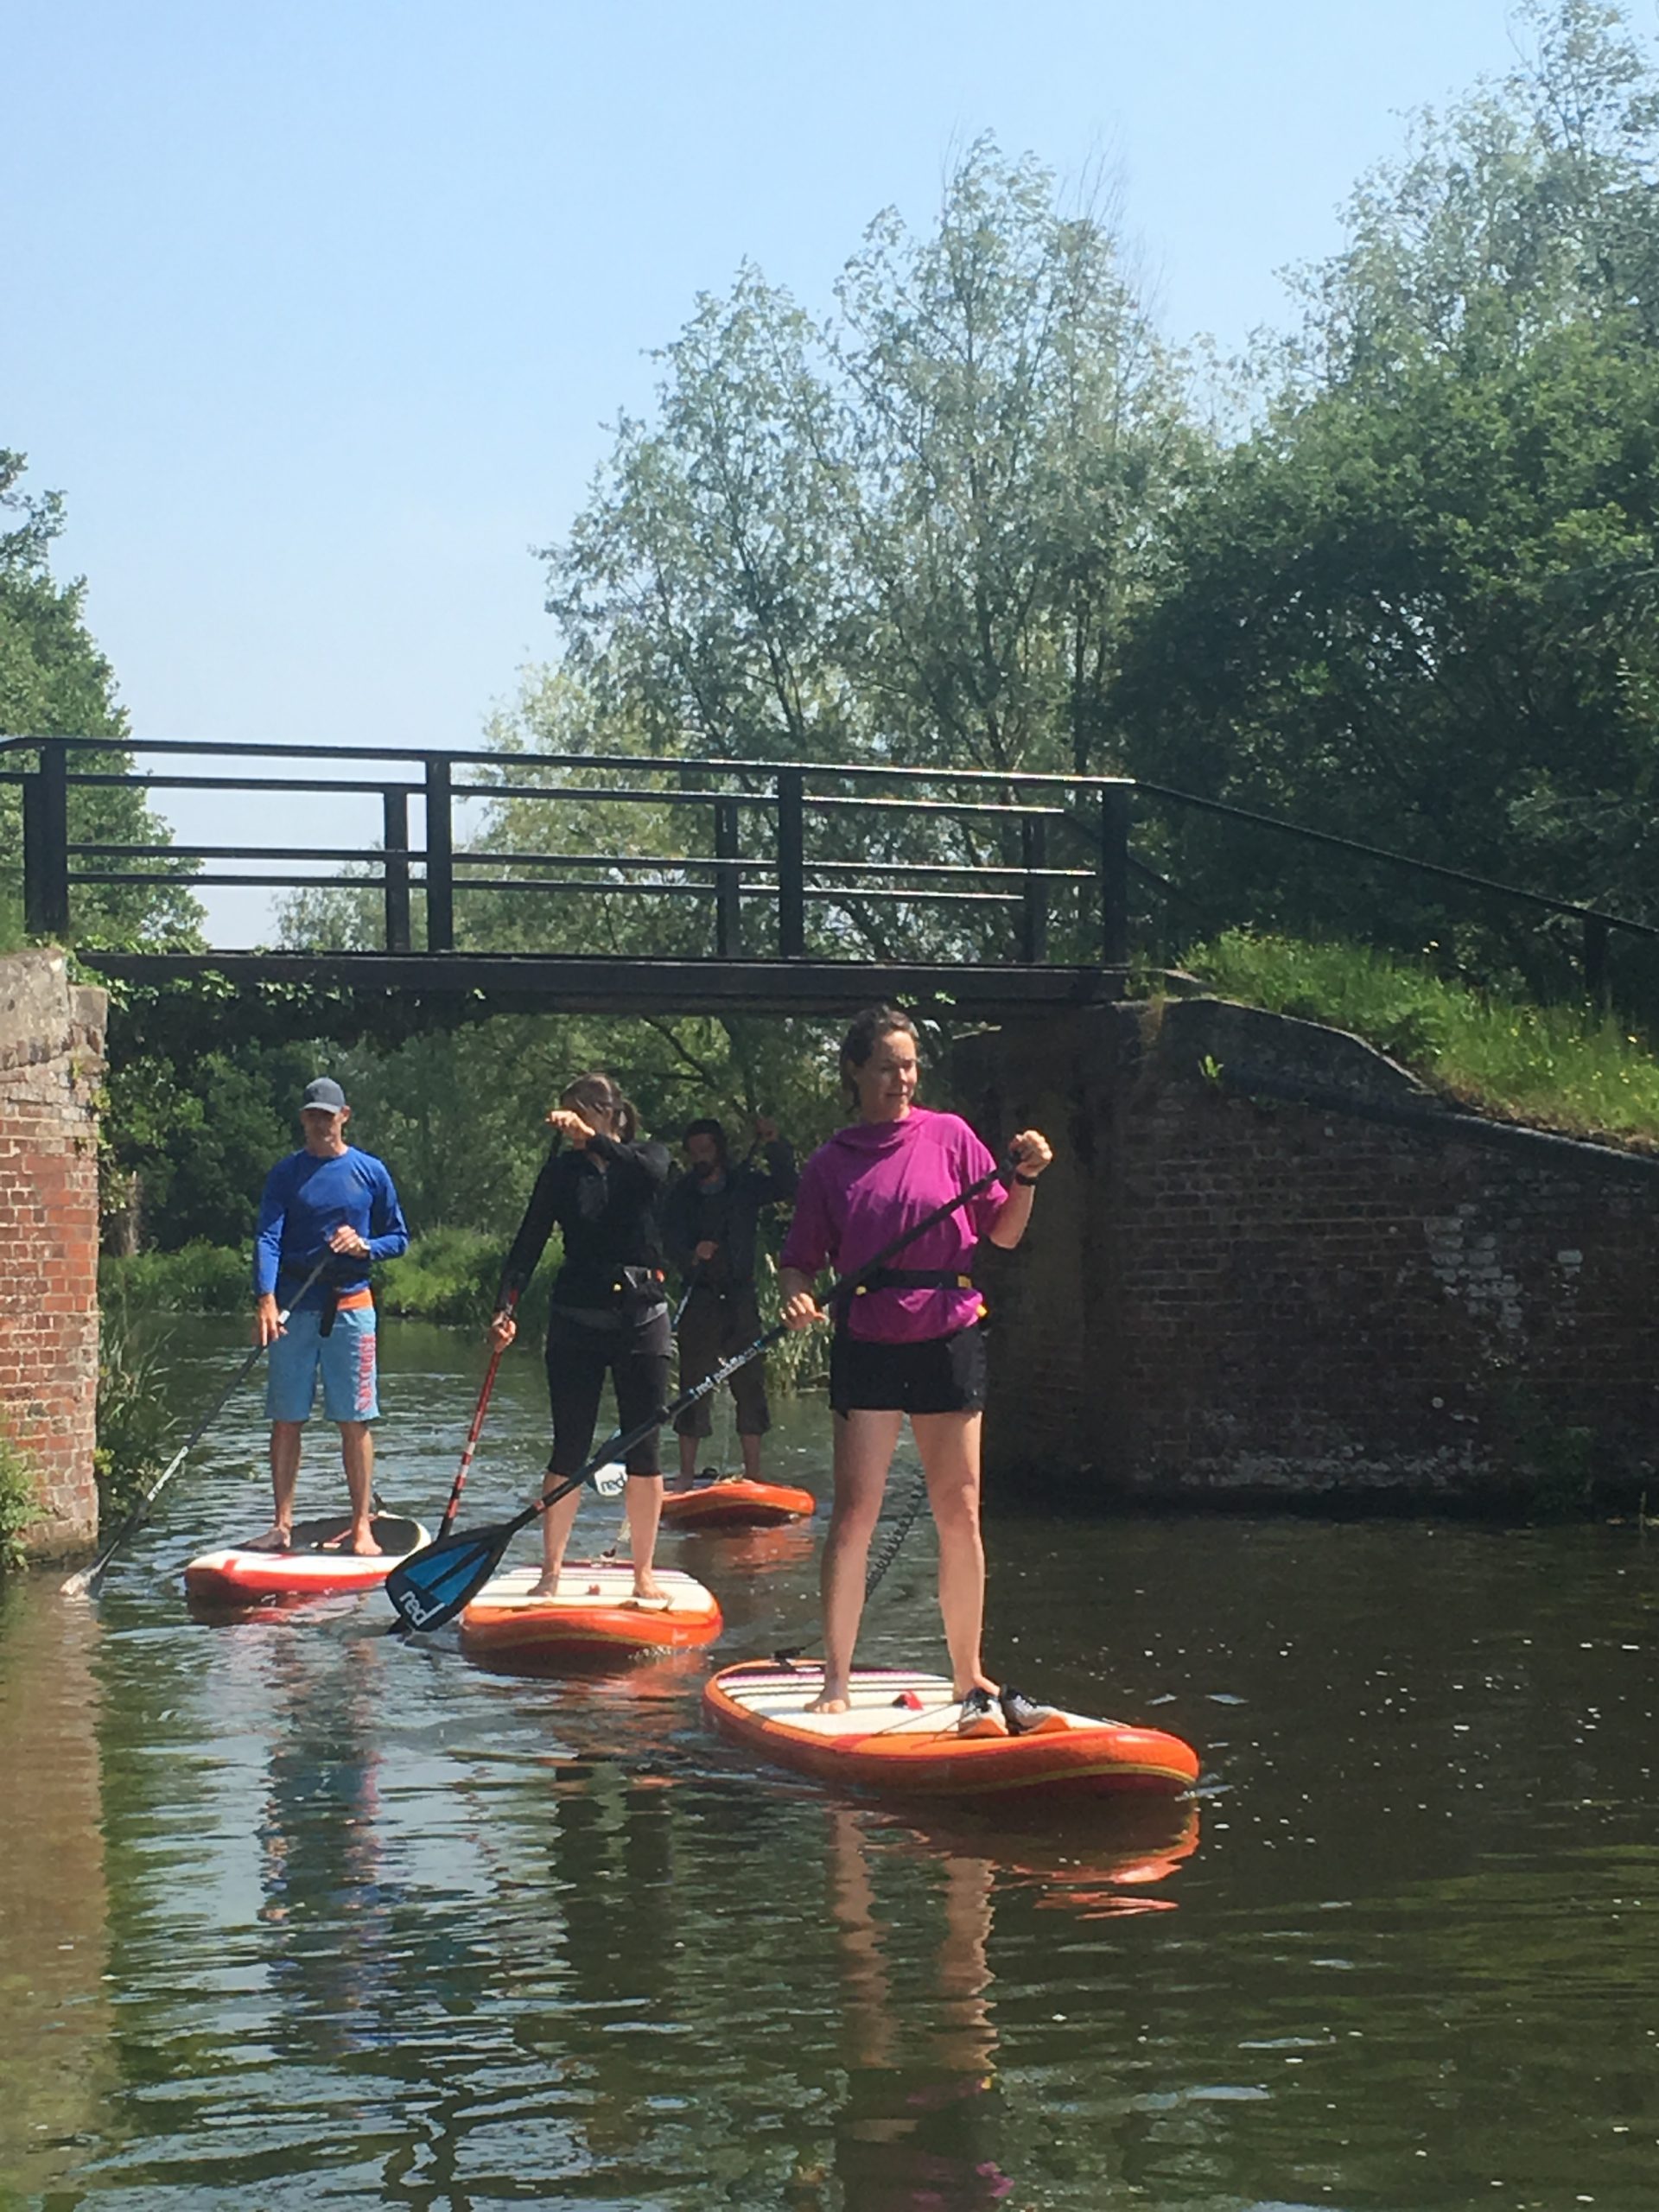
(431, 1586)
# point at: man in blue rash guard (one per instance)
(326, 1198)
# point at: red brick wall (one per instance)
(1266, 1267)
(50, 1063)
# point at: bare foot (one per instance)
(547, 1585)
(829, 1701)
(648, 1591)
(361, 1544)
(276, 1538)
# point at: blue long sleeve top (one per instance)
(305, 1200)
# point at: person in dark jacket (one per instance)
(609, 1311)
(710, 1226)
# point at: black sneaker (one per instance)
(979, 1715)
(1025, 1717)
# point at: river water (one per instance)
(295, 1913)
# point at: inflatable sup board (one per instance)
(313, 1565)
(733, 1502)
(899, 1739)
(595, 1612)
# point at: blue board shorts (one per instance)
(345, 1357)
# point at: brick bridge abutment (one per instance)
(51, 1068)
(1270, 1269)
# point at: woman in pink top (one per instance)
(908, 1344)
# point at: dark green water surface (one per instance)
(293, 1913)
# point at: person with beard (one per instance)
(711, 1223)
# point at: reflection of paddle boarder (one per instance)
(909, 1342)
(328, 1197)
(910, 2131)
(711, 1219)
(609, 1314)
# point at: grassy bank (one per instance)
(1559, 1067)
(448, 1274)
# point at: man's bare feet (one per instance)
(276, 1538)
(360, 1543)
(829, 1701)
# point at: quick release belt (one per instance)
(342, 1301)
(914, 1278)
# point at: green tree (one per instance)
(1407, 608)
(54, 682)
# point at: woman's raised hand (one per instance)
(1029, 1152)
(569, 1125)
(503, 1329)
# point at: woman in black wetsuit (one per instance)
(610, 1312)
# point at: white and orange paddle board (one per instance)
(313, 1565)
(734, 1502)
(899, 1739)
(593, 1612)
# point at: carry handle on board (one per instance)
(430, 1586)
(85, 1581)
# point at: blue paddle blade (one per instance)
(431, 1586)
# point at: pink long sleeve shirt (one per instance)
(869, 1182)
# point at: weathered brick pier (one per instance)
(51, 1067)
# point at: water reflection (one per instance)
(357, 1924)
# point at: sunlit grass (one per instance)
(1559, 1067)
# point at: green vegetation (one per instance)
(54, 682)
(19, 1506)
(134, 1422)
(1558, 1067)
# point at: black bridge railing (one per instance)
(757, 851)
(771, 846)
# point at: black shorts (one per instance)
(940, 1374)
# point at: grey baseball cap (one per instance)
(324, 1093)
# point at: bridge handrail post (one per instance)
(395, 841)
(440, 859)
(791, 863)
(1596, 938)
(728, 901)
(1115, 811)
(45, 843)
(1033, 917)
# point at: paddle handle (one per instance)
(83, 1583)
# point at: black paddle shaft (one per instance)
(431, 1586)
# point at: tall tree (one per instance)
(56, 683)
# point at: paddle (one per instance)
(476, 1430)
(431, 1586)
(82, 1584)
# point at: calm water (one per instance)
(293, 1913)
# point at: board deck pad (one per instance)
(900, 1735)
(594, 1609)
(313, 1566)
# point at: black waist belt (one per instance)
(914, 1278)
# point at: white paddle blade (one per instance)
(611, 1479)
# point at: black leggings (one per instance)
(635, 1357)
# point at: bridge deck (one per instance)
(565, 983)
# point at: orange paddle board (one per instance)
(313, 1565)
(594, 1611)
(899, 1739)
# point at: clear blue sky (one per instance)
(315, 312)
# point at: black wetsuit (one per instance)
(610, 1312)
